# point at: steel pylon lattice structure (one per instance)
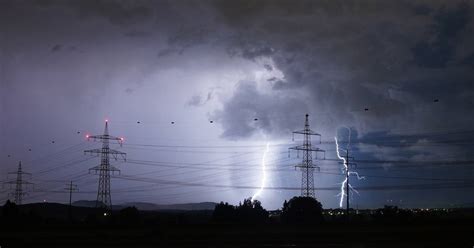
(307, 167)
(19, 182)
(105, 170)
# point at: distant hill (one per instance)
(146, 206)
(184, 206)
(84, 203)
(464, 205)
(55, 210)
(82, 209)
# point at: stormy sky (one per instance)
(198, 88)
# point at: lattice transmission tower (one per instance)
(307, 167)
(105, 170)
(19, 182)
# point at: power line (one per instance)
(446, 185)
(229, 167)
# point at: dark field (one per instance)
(344, 235)
(48, 225)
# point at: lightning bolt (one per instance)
(264, 172)
(342, 194)
(343, 184)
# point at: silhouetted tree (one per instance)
(224, 212)
(10, 211)
(129, 216)
(392, 214)
(247, 212)
(302, 210)
(251, 212)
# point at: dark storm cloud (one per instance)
(120, 12)
(422, 9)
(186, 37)
(439, 49)
(255, 52)
(138, 34)
(469, 60)
(342, 57)
(200, 100)
(253, 111)
(117, 12)
(348, 56)
(56, 48)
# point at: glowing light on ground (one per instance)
(264, 173)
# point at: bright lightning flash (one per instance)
(264, 171)
(343, 184)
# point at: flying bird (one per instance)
(435, 100)
(172, 122)
(211, 121)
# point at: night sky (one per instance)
(198, 88)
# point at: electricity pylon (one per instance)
(105, 169)
(307, 167)
(19, 182)
(71, 188)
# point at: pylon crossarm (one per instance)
(21, 172)
(95, 169)
(307, 132)
(113, 170)
(93, 152)
(105, 137)
(307, 148)
(115, 154)
(8, 182)
(16, 182)
(306, 166)
(100, 168)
